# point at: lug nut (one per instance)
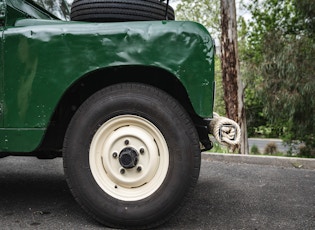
(142, 150)
(139, 169)
(126, 142)
(115, 155)
(122, 171)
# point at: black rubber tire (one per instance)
(177, 129)
(120, 10)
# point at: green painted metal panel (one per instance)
(1, 71)
(20, 140)
(41, 59)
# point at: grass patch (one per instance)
(217, 148)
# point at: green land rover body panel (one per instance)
(42, 58)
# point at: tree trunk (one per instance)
(231, 78)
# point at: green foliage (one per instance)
(278, 56)
(254, 150)
(306, 10)
(219, 106)
(254, 104)
(307, 151)
(217, 148)
(288, 69)
(206, 12)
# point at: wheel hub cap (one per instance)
(128, 158)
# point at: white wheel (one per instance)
(129, 157)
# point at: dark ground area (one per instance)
(34, 195)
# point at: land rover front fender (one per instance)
(46, 58)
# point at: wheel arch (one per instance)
(96, 80)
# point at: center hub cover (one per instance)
(128, 158)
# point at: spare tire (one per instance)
(120, 10)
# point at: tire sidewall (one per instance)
(159, 110)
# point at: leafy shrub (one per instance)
(217, 148)
(306, 151)
(271, 148)
(254, 150)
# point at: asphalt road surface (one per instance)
(34, 195)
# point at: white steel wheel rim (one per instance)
(129, 133)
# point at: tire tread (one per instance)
(119, 10)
